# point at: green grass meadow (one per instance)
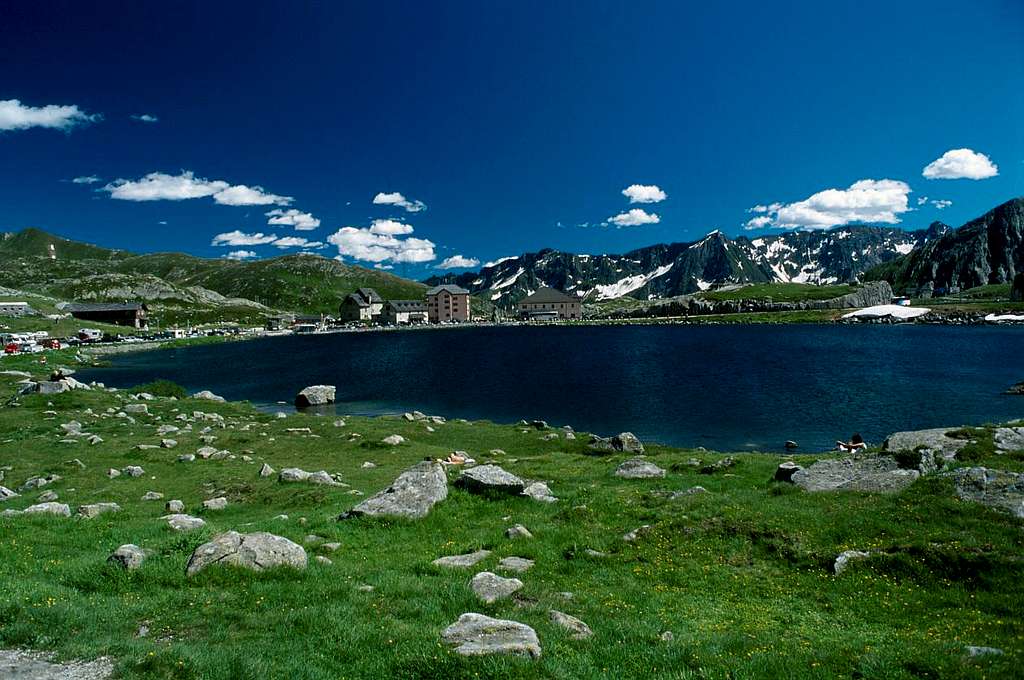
(741, 575)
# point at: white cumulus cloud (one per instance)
(240, 238)
(390, 227)
(458, 262)
(86, 179)
(941, 203)
(147, 118)
(366, 245)
(634, 218)
(397, 199)
(644, 193)
(296, 242)
(876, 201)
(159, 186)
(246, 195)
(241, 254)
(17, 116)
(961, 164)
(302, 221)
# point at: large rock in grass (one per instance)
(490, 587)
(934, 441)
(6, 493)
(625, 442)
(49, 508)
(577, 629)
(411, 495)
(477, 635)
(638, 468)
(96, 509)
(315, 395)
(128, 556)
(996, 489)
(490, 479)
(208, 396)
(256, 551)
(879, 474)
(461, 561)
(182, 522)
(298, 475)
(1008, 439)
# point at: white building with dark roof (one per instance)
(548, 304)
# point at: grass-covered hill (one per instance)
(180, 284)
(733, 582)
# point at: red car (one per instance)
(11, 348)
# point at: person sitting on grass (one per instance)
(856, 443)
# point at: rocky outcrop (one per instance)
(1017, 288)
(996, 489)
(577, 629)
(411, 495)
(638, 468)
(624, 442)
(256, 551)
(315, 395)
(478, 635)
(879, 474)
(935, 441)
(490, 479)
(989, 249)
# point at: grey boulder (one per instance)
(576, 628)
(477, 635)
(256, 551)
(181, 522)
(996, 489)
(315, 395)
(461, 561)
(625, 442)
(207, 395)
(638, 468)
(129, 556)
(96, 509)
(870, 473)
(61, 509)
(411, 495)
(490, 479)
(490, 587)
(934, 441)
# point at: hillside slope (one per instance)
(987, 250)
(176, 281)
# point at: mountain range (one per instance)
(986, 250)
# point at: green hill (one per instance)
(180, 285)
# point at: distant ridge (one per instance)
(838, 255)
(80, 271)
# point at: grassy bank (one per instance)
(741, 575)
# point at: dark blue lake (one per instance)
(722, 387)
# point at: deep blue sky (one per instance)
(507, 119)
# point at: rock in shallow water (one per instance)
(475, 635)
(315, 395)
